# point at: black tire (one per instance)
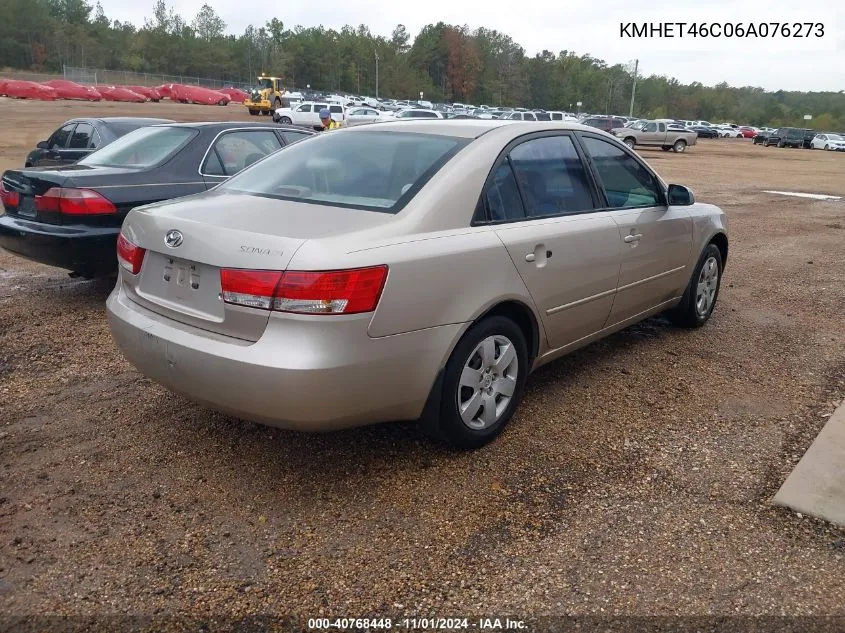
(679, 146)
(449, 426)
(630, 142)
(827, 147)
(665, 148)
(253, 112)
(781, 144)
(285, 119)
(686, 313)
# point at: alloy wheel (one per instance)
(708, 283)
(488, 382)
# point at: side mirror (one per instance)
(42, 145)
(680, 196)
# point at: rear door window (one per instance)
(235, 151)
(551, 176)
(81, 137)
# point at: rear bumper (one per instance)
(78, 248)
(304, 373)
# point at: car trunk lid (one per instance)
(28, 184)
(189, 242)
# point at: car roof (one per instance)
(226, 125)
(469, 128)
(123, 119)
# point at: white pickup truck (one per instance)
(656, 134)
(308, 114)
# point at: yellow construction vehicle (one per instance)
(266, 97)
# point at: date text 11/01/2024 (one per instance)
(721, 29)
(445, 624)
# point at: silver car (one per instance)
(362, 115)
(413, 270)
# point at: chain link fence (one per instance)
(102, 76)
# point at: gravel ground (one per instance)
(635, 480)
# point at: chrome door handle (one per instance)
(530, 257)
(633, 238)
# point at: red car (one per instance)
(748, 132)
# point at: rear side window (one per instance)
(501, 197)
(81, 136)
(557, 116)
(336, 109)
(292, 137)
(626, 182)
(551, 176)
(336, 170)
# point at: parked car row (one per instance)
(281, 276)
(801, 138)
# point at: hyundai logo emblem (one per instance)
(173, 238)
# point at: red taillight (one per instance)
(253, 288)
(8, 198)
(74, 202)
(324, 292)
(130, 256)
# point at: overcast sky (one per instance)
(586, 28)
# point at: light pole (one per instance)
(376, 54)
(634, 87)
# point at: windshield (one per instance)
(378, 171)
(638, 125)
(144, 147)
(265, 82)
(834, 137)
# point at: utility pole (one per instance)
(634, 87)
(376, 54)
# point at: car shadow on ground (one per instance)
(210, 439)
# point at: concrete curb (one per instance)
(817, 484)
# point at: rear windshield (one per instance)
(144, 147)
(377, 171)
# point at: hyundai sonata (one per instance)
(413, 270)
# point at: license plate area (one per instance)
(182, 277)
(182, 286)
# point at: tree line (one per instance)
(446, 62)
